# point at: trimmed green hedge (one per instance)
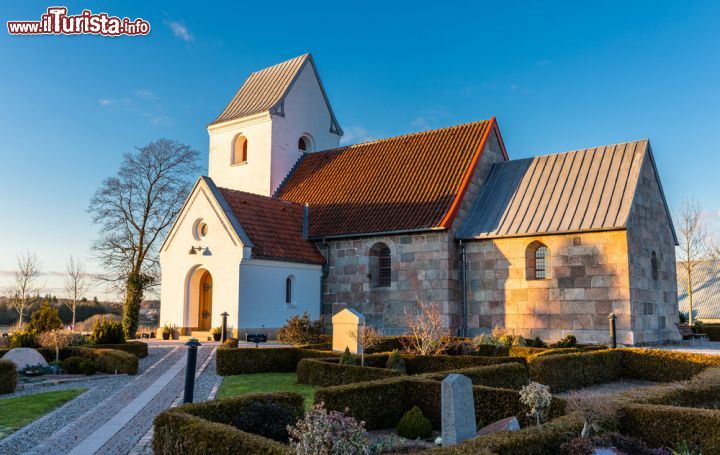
(382, 403)
(137, 348)
(106, 360)
(231, 361)
(419, 364)
(8, 376)
(506, 375)
(523, 351)
(205, 428)
(667, 425)
(532, 440)
(664, 366)
(328, 372)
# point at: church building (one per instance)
(288, 221)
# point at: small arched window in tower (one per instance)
(537, 259)
(288, 290)
(302, 144)
(654, 265)
(380, 266)
(239, 152)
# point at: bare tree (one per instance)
(692, 246)
(427, 331)
(134, 210)
(77, 284)
(26, 288)
(369, 338)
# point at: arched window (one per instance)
(288, 290)
(654, 265)
(537, 259)
(239, 152)
(380, 266)
(302, 144)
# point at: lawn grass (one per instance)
(16, 412)
(264, 383)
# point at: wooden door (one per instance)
(205, 316)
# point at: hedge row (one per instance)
(667, 425)
(506, 375)
(418, 364)
(532, 440)
(382, 403)
(207, 427)
(577, 370)
(8, 376)
(325, 373)
(137, 348)
(231, 361)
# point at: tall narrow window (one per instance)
(654, 265)
(302, 144)
(541, 262)
(239, 152)
(384, 268)
(537, 259)
(380, 266)
(288, 290)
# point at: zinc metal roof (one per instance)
(265, 90)
(706, 291)
(582, 190)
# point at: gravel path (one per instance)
(61, 430)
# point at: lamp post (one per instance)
(613, 337)
(192, 345)
(223, 337)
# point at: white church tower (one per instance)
(278, 114)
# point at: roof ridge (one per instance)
(579, 150)
(402, 136)
(305, 55)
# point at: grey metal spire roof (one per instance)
(265, 91)
(583, 190)
(706, 291)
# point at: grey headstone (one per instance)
(458, 410)
(508, 424)
(25, 357)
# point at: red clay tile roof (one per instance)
(404, 183)
(274, 227)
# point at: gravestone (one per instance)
(25, 357)
(458, 409)
(347, 327)
(508, 424)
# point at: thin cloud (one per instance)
(143, 102)
(356, 134)
(147, 94)
(180, 30)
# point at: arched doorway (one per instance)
(205, 302)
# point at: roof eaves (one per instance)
(228, 212)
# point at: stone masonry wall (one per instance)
(588, 279)
(654, 300)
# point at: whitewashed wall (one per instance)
(222, 261)
(262, 292)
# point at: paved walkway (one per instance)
(115, 415)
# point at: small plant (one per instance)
(395, 361)
(168, 331)
(594, 412)
(568, 342)
(56, 339)
(45, 319)
(485, 339)
(217, 333)
(414, 425)
(535, 343)
(87, 367)
(71, 365)
(107, 331)
(328, 433)
(301, 330)
(23, 339)
(427, 332)
(537, 397)
(347, 358)
(230, 343)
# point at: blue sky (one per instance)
(557, 75)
